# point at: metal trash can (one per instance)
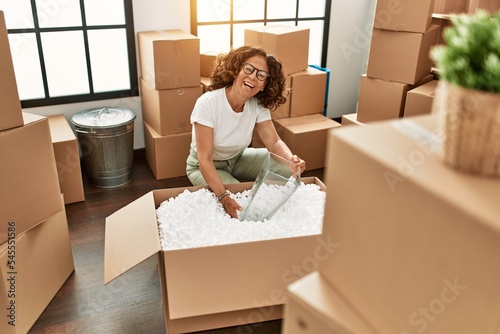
(106, 137)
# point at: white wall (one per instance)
(349, 39)
(148, 15)
(347, 53)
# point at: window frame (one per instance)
(91, 96)
(265, 21)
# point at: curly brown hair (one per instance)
(227, 66)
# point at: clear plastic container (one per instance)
(274, 185)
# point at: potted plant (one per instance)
(468, 93)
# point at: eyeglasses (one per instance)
(249, 69)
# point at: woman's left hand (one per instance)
(231, 206)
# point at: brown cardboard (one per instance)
(451, 6)
(401, 56)
(383, 100)
(419, 100)
(351, 119)
(315, 306)
(214, 286)
(207, 62)
(284, 109)
(415, 236)
(404, 15)
(443, 23)
(306, 137)
(308, 92)
(67, 159)
(166, 155)
(290, 44)
(167, 58)
(29, 175)
(43, 262)
(380, 99)
(205, 82)
(488, 5)
(9, 96)
(168, 110)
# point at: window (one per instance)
(67, 51)
(220, 24)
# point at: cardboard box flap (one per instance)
(131, 237)
(175, 34)
(252, 271)
(428, 89)
(31, 118)
(169, 35)
(307, 123)
(60, 129)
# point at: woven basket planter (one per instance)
(470, 128)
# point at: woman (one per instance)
(246, 84)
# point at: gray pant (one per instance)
(243, 167)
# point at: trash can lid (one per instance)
(106, 117)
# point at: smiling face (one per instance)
(247, 85)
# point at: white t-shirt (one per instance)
(232, 131)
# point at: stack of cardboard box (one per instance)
(35, 251)
(300, 121)
(414, 95)
(170, 85)
(420, 99)
(413, 239)
(399, 58)
(444, 10)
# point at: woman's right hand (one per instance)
(231, 206)
(299, 165)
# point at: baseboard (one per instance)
(139, 154)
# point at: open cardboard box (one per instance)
(214, 286)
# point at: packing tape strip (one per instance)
(419, 134)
